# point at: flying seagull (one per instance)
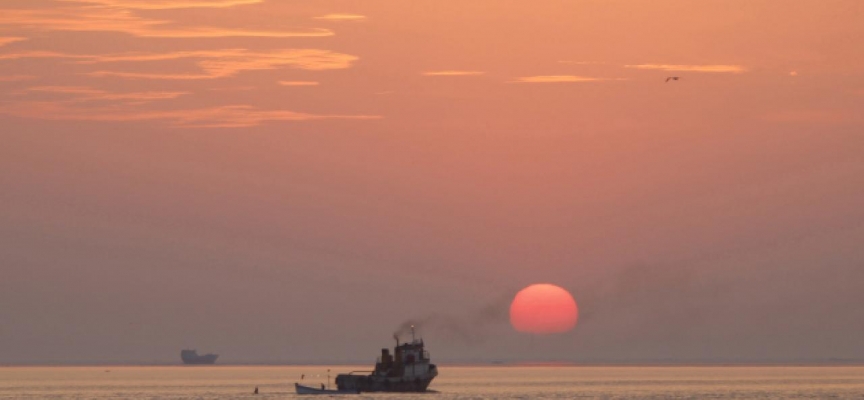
(672, 78)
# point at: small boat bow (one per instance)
(301, 389)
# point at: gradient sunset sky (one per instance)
(289, 181)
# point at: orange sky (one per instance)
(172, 171)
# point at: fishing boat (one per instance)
(408, 369)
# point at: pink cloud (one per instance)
(83, 94)
(166, 4)
(123, 21)
(558, 79)
(42, 54)
(735, 69)
(7, 40)
(231, 116)
(213, 63)
(298, 83)
(453, 73)
(16, 78)
(342, 17)
(226, 63)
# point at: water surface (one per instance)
(276, 382)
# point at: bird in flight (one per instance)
(672, 78)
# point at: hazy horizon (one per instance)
(275, 181)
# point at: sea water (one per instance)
(453, 382)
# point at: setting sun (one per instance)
(543, 308)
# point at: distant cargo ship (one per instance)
(192, 357)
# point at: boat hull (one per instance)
(373, 383)
(300, 389)
(407, 370)
(192, 358)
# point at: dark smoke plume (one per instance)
(469, 329)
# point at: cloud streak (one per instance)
(226, 63)
(719, 68)
(85, 94)
(214, 64)
(108, 19)
(230, 116)
(342, 17)
(16, 78)
(165, 4)
(43, 54)
(453, 73)
(558, 79)
(82, 103)
(298, 83)
(572, 62)
(7, 40)
(79, 102)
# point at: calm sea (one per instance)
(238, 382)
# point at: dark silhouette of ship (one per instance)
(192, 357)
(408, 369)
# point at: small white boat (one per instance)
(311, 390)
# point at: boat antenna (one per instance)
(412, 334)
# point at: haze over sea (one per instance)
(662, 196)
(455, 382)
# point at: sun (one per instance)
(543, 309)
